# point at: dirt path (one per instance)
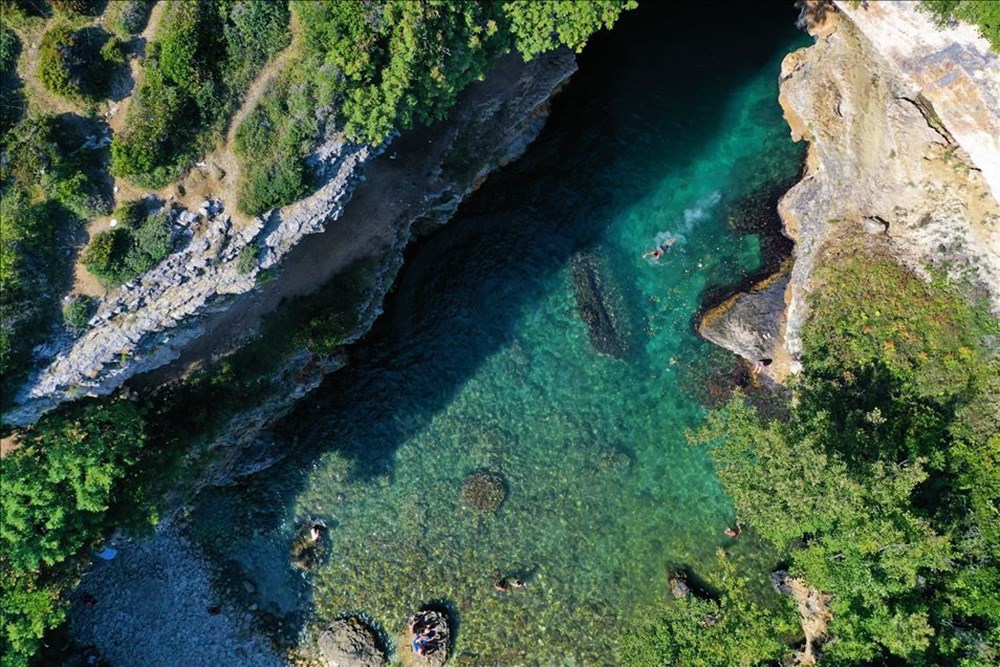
(264, 78)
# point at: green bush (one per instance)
(120, 254)
(152, 241)
(76, 313)
(46, 187)
(883, 483)
(542, 26)
(58, 44)
(10, 47)
(88, 7)
(105, 255)
(57, 486)
(128, 17)
(79, 65)
(246, 261)
(734, 630)
(113, 51)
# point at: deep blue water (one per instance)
(483, 361)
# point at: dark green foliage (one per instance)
(56, 48)
(693, 632)
(76, 313)
(10, 47)
(88, 7)
(246, 261)
(127, 17)
(11, 98)
(985, 14)
(56, 488)
(79, 65)
(884, 483)
(542, 26)
(385, 65)
(118, 255)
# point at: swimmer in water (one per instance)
(657, 252)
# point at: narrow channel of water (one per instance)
(484, 361)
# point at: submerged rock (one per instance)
(348, 642)
(484, 491)
(600, 306)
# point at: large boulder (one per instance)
(348, 642)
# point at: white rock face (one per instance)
(903, 122)
(953, 67)
(129, 333)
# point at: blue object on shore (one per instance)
(108, 554)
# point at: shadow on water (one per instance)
(463, 291)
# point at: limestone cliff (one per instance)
(199, 291)
(903, 123)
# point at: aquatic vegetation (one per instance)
(484, 491)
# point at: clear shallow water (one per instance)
(482, 362)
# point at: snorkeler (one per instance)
(657, 252)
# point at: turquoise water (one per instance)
(483, 362)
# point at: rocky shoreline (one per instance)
(198, 293)
(902, 120)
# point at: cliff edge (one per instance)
(903, 123)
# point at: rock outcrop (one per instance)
(903, 123)
(151, 321)
(350, 643)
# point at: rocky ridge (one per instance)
(903, 124)
(149, 322)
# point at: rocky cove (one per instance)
(756, 326)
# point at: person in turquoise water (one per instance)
(656, 253)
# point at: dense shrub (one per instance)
(56, 488)
(883, 485)
(11, 98)
(56, 48)
(120, 254)
(10, 47)
(700, 632)
(199, 64)
(128, 17)
(76, 313)
(542, 26)
(88, 7)
(47, 185)
(246, 261)
(79, 65)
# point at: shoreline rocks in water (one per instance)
(751, 324)
(428, 639)
(349, 642)
(484, 491)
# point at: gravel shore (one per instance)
(154, 606)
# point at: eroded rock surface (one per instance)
(350, 643)
(903, 123)
(897, 113)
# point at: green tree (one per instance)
(57, 486)
(542, 26)
(696, 632)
